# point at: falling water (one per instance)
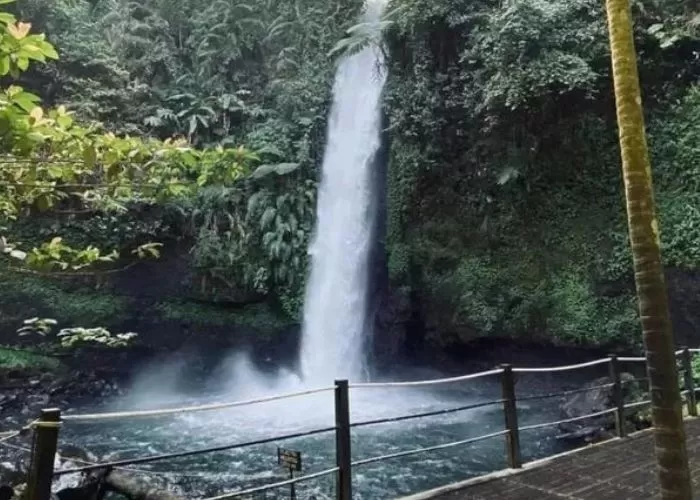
(335, 308)
(335, 319)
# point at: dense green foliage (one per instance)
(11, 359)
(214, 74)
(505, 213)
(506, 208)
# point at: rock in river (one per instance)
(597, 398)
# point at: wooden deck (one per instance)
(621, 469)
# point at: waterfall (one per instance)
(335, 326)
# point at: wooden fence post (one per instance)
(689, 382)
(510, 410)
(43, 455)
(618, 397)
(343, 455)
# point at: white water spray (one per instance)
(335, 325)
(332, 347)
(335, 308)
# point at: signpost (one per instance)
(290, 460)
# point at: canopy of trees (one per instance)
(151, 103)
(194, 129)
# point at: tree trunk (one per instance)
(667, 414)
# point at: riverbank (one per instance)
(60, 381)
(26, 392)
(86, 378)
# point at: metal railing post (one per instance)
(43, 455)
(343, 456)
(689, 382)
(617, 396)
(510, 411)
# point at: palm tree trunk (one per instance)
(667, 414)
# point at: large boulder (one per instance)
(595, 400)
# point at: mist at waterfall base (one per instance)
(172, 384)
(335, 332)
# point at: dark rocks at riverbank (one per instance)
(13, 478)
(24, 393)
(597, 396)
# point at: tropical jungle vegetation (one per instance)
(160, 160)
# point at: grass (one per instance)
(20, 360)
(259, 316)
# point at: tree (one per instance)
(667, 414)
(48, 161)
(249, 224)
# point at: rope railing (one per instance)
(428, 449)
(46, 428)
(361, 385)
(435, 413)
(418, 383)
(189, 409)
(5, 444)
(132, 470)
(638, 403)
(571, 392)
(288, 482)
(632, 359)
(182, 454)
(554, 369)
(9, 435)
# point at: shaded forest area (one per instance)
(506, 205)
(248, 80)
(505, 209)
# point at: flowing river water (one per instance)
(207, 475)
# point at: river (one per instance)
(208, 475)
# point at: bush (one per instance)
(259, 316)
(580, 316)
(25, 296)
(14, 359)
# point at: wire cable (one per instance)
(182, 454)
(427, 414)
(237, 494)
(430, 448)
